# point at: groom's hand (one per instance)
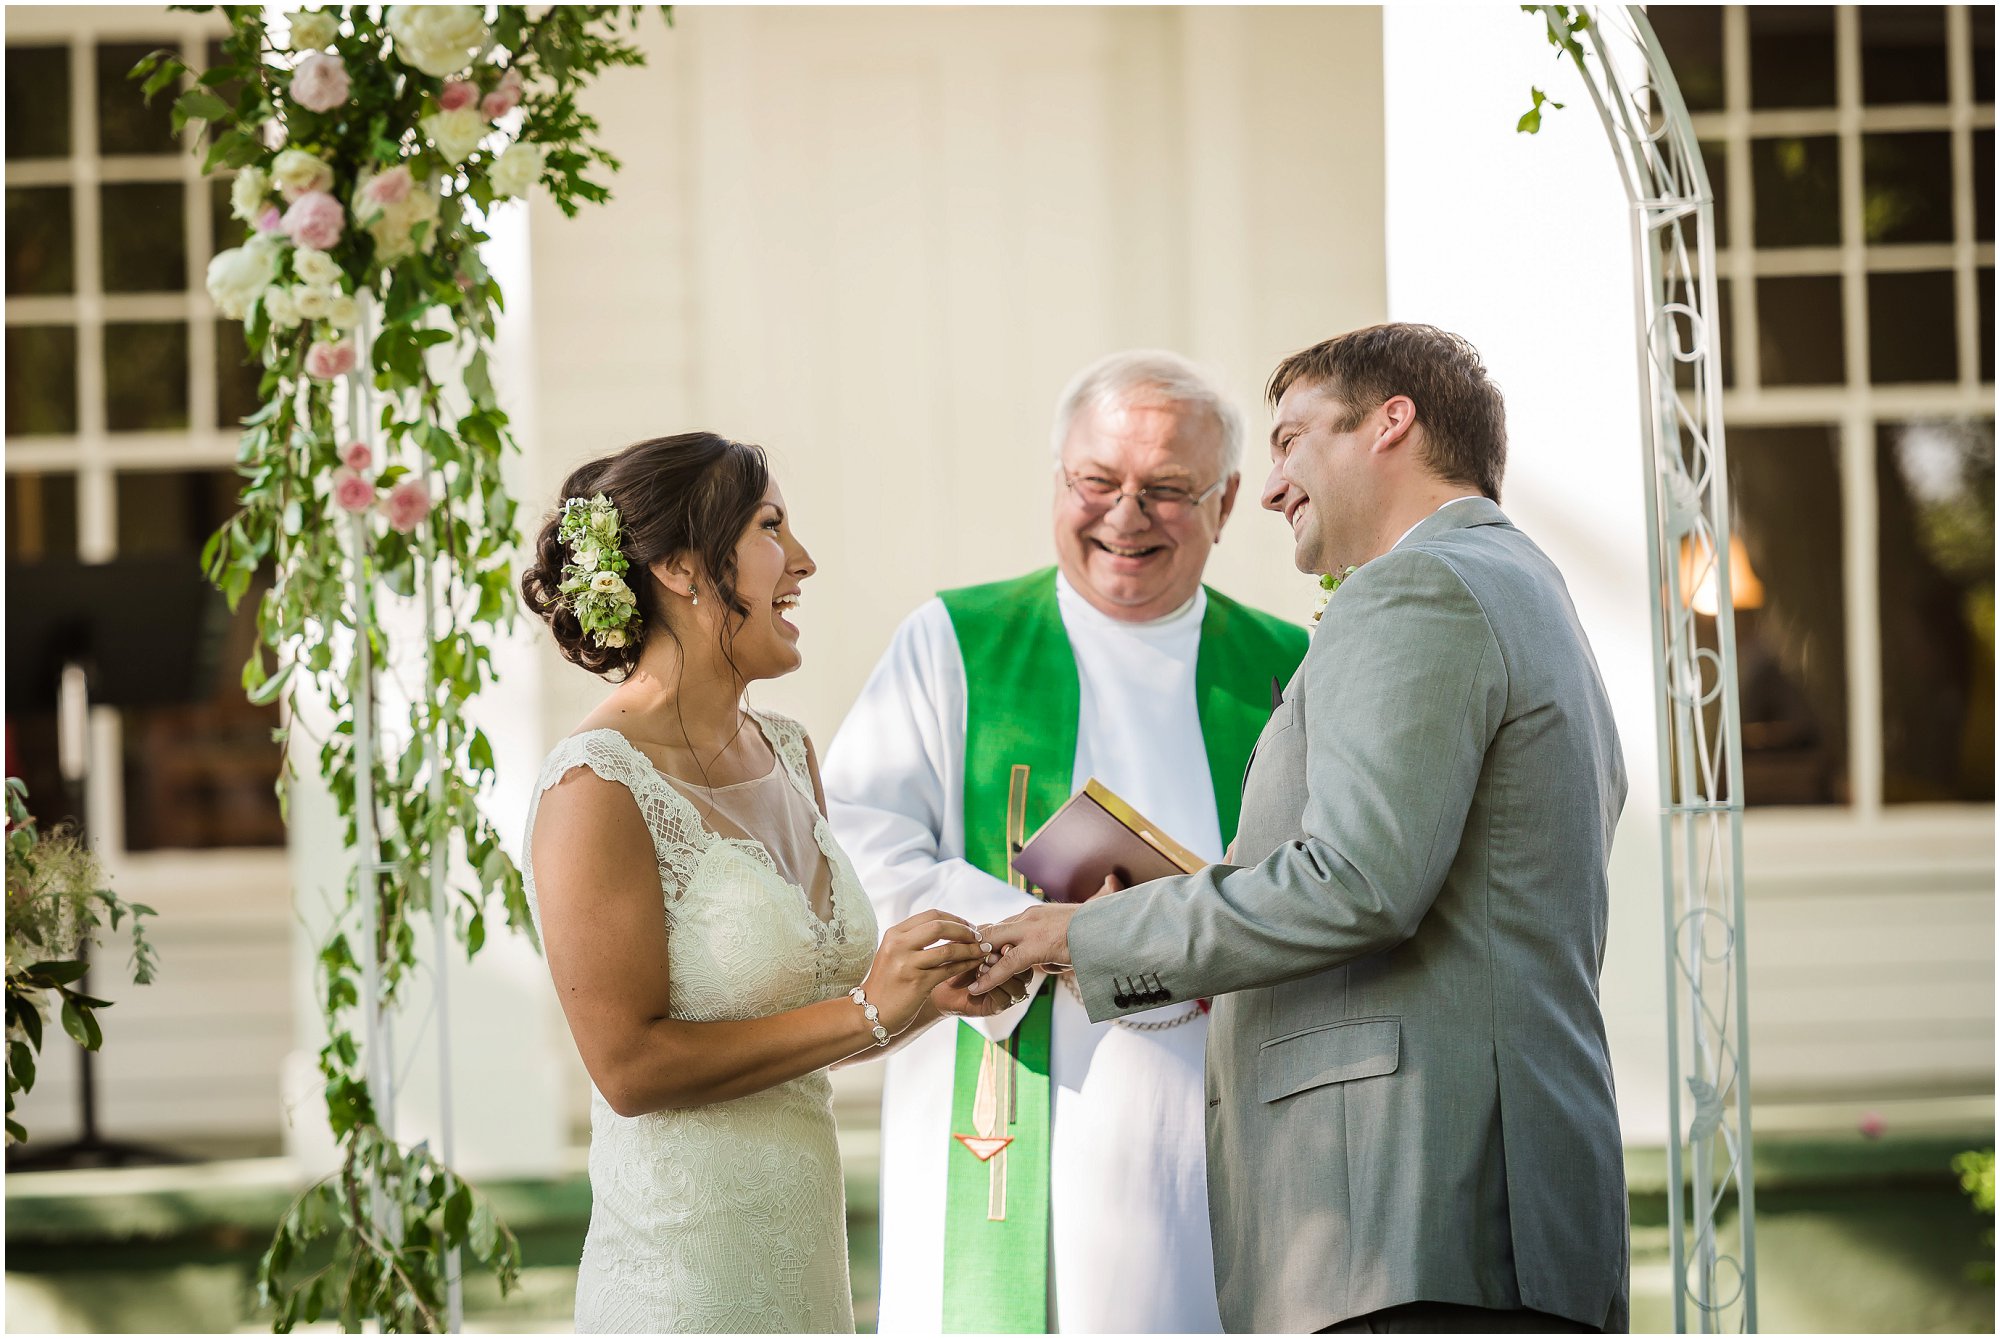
(1037, 937)
(954, 998)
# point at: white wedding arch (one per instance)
(1696, 710)
(1694, 659)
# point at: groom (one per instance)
(1411, 1124)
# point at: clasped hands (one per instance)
(1035, 938)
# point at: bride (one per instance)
(708, 941)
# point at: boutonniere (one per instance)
(1328, 584)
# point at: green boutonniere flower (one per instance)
(1328, 584)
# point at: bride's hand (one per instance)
(914, 958)
(954, 998)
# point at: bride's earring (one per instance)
(693, 599)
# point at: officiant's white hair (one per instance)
(1160, 371)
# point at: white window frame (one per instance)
(1812, 843)
(94, 455)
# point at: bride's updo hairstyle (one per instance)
(692, 493)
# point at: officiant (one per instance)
(1040, 1172)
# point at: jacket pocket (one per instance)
(1359, 1048)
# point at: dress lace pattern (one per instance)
(729, 1217)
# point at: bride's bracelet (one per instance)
(874, 1018)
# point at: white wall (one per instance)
(1521, 244)
(880, 241)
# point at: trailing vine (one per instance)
(1563, 22)
(368, 146)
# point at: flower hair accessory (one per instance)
(592, 580)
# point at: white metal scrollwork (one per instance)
(1712, 1223)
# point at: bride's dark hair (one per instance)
(692, 493)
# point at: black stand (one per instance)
(137, 632)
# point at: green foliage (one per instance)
(1564, 23)
(57, 906)
(370, 1244)
(1975, 1177)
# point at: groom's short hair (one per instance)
(1463, 416)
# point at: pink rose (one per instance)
(320, 83)
(351, 492)
(1872, 1125)
(504, 98)
(326, 361)
(357, 456)
(315, 220)
(389, 188)
(407, 505)
(269, 220)
(457, 93)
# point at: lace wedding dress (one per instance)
(732, 1216)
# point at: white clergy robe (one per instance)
(1128, 1191)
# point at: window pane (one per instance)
(1934, 482)
(1903, 54)
(1985, 286)
(41, 380)
(41, 516)
(1791, 628)
(236, 377)
(1982, 53)
(1791, 55)
(125, 123)
(1982, 185)
(1800, 330)
(146, 378)
(1797, 190)
(1906, 187)
(198, 775)
(1715, 161)
(145, 238)
(40, 257)
(1691, 35)
(1912, 327)
(37, 102)
(1684, 334)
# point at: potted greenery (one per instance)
(57, 908)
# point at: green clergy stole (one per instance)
(1022, 702)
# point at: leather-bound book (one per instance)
(1095, 834)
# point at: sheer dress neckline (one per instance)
(755, 848)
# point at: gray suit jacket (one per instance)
(1409, 1089)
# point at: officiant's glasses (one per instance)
(1095, 494)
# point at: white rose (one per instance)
(297, 172)
(278, 305)
(344, 312)
(314, 31)
(616, 637)
(605, 582)
(519, 169)
(392, 227)
(316, 267)
(312, 303)
(237, 277)
(438, 39)
(587, 555)
(247, 192)
(456, 133)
